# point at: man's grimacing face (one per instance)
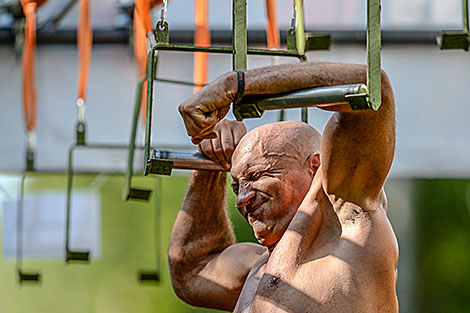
(269, 190)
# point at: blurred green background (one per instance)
(431, 219)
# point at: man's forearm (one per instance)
(202, 227)
(288, 77)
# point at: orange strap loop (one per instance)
(202, 37)
(272, 29)
(84, 43)
(28, 59)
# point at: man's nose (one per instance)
(245, 196)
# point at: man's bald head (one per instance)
(286, 140)
(272, 170)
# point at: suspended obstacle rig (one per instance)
(84, 43)
(358, 97)
(30, 114)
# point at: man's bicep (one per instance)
(357, 150)
(218, 281)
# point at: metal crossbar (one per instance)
(70, 255)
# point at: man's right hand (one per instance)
(205, 109)
(220, 149)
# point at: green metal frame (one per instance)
(371, 96)
(239, 52)
(28, 277)
(70, 255)
(130, 192)
(456, 39)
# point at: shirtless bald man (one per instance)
(315, 203)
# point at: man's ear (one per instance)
(314, 163)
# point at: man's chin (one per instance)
(267, 241)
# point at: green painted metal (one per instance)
(71, 256)
(162, 32)
(30, 156)
(299, 27)
(151, 72)
(317, 41)
(23, 277)
(457, 39)
(80, 133)
(239, 35)
(374, 81)
(304, 115)
(130, 192)
(159, 167)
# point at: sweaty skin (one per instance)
(315, 203)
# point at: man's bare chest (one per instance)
(275, 287)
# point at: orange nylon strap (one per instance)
(272, 29)
(28, 58)
(202, 37)
(142, 25)
(84, 43)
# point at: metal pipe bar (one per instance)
(188, 160)
(254, 106)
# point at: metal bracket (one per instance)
(313, 42)
(161, 33)
(30, 159)
(453, 40)
(159, 167)
(248, 110)
(149, 276)
(457, 39)
(359, 101)
(81, 133)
